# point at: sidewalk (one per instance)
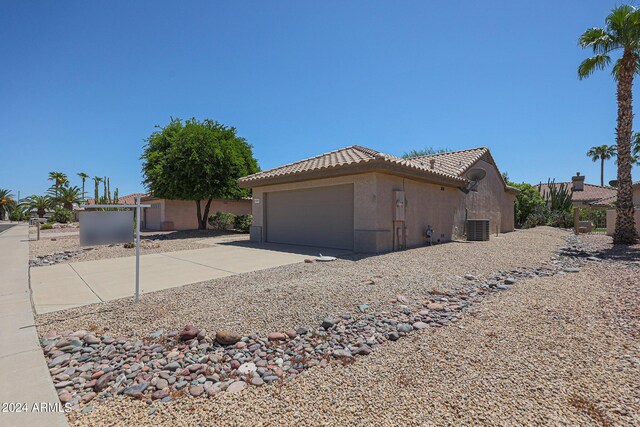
(24, 373)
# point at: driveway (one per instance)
(64, 286)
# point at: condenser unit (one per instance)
(478, 229)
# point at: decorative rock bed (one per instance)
(86, 365)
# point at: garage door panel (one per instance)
(320, 216)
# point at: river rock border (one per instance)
(87, 366)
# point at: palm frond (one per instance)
(589, 65)
(599, 40)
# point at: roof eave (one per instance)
(374, 165)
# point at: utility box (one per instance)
(398, 206)
(477, 229)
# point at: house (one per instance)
(129, 199)
(166, 215)
(585, 195)
(363, 200)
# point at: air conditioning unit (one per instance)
(478, 229)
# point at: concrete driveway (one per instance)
(63, 286)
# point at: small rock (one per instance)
(88, 397)
(420, 325)
(136, 389)
(404, 327)
(435, 306)
(226, 337)
(187, 333)
(276, 336)
(328, 323)
(257, 381)
(237, 386)
(248, 367)
(341, 353)
(510, 281)
(196, 390)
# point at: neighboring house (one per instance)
(585, 195)
(129, 199)
(352, 199)
(166, 215)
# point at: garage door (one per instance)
(321, 216)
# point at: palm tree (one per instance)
(7, 204)
(83, 176)
(40, 203)
(59, 179)
(67, 196)
(602, 153)
(621, 32)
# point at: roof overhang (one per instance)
(376, 165)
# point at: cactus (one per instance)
(558, 196)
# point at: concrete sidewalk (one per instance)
(23, 370)
(64, 286)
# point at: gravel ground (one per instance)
(560, 350)
(301, 295)
(164, 242)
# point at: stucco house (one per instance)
(363, 200)
(167, 215)
(585, 195)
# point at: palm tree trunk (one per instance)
(625, 232)
(602, 172)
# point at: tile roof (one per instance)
(607, 201)
(590, 193)
(450, 165)
(129, 199)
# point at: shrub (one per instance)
(222, 220)
(243, 223)
(16, 215)
(62, 216)
(46, 226)
(527, 201)
(538, 216)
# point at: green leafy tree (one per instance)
(7, 203)
(197, 160)
(620, 33)
(59, 179)
(528, 201)
(41, 204)
(428, 151)
(602, 153)
(83, 176)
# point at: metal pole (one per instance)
(38, 226)
(137, 250)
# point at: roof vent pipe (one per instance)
(432, 163)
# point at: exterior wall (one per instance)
(365, 216)
(491, 201)
(636, 195)
(611, 220)
(443, 208)
(181, 214)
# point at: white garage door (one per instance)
(321, 216)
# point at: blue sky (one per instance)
(83, 83)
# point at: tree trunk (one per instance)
(602, 172)
(41, 212)
(203, 216)
(625, 232)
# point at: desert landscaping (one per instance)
(506, 329)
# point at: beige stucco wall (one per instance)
(444, 208)
(636, 196)
(611, 220)
(365, 221)
(182, 213)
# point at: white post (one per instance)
(137, 250)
